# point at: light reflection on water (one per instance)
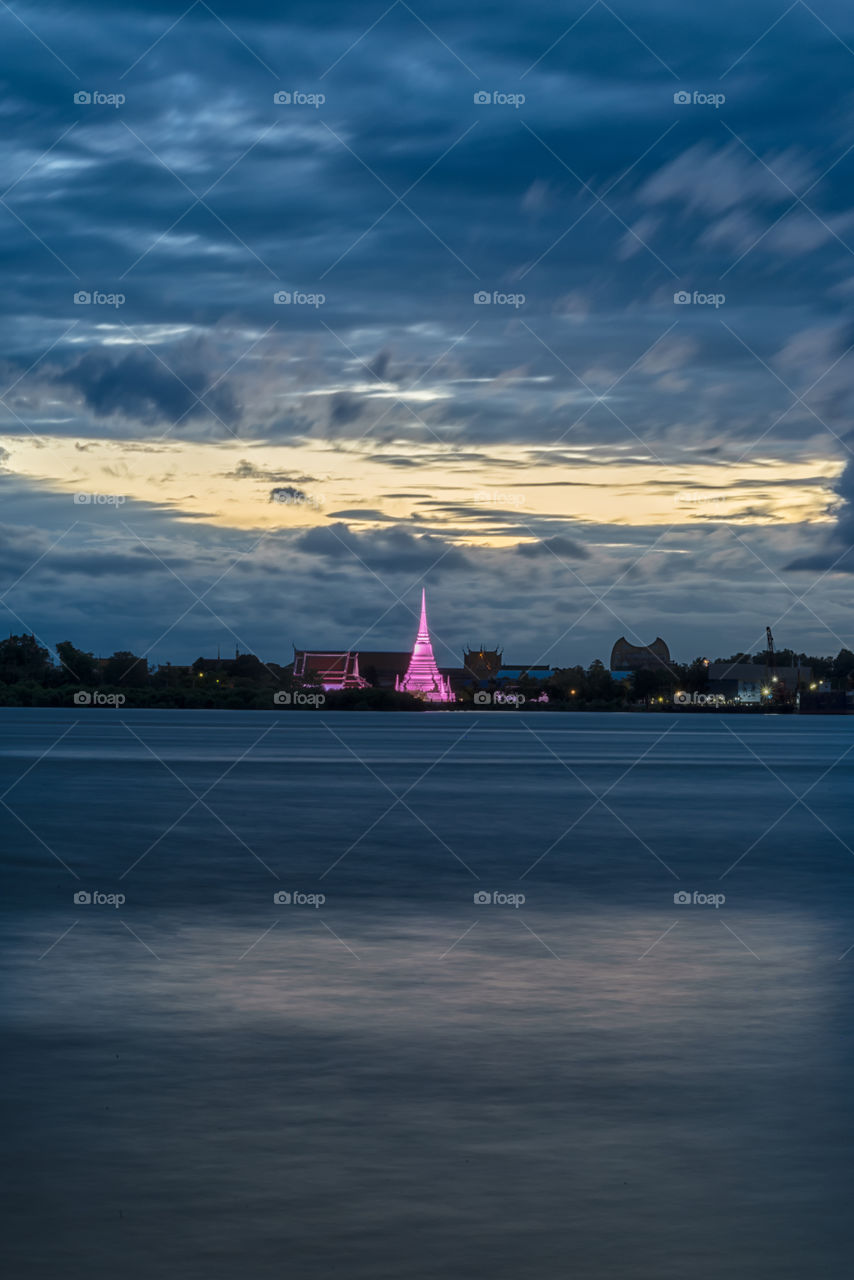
(599, 1083)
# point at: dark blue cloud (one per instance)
(597, 200)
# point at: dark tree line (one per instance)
(30, 675)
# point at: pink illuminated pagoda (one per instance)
(423, 677)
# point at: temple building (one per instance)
(482, 664)
(423, 678)
(333, 670)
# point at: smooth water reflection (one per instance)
(598, 1082)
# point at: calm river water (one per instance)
(480, 1034)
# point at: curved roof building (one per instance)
(634, 657)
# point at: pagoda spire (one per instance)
(423, 636)
(423, 677)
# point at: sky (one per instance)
(545, 307)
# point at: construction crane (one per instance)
(778, 687)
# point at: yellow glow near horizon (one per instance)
(211, 482)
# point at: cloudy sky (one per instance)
(545, 306)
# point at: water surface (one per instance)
(399, 1080)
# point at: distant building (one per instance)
(753, 681)
(626, 658)
(411, 672)
(331, 669)
(743, 681)
(423, 677)
(482, 664)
